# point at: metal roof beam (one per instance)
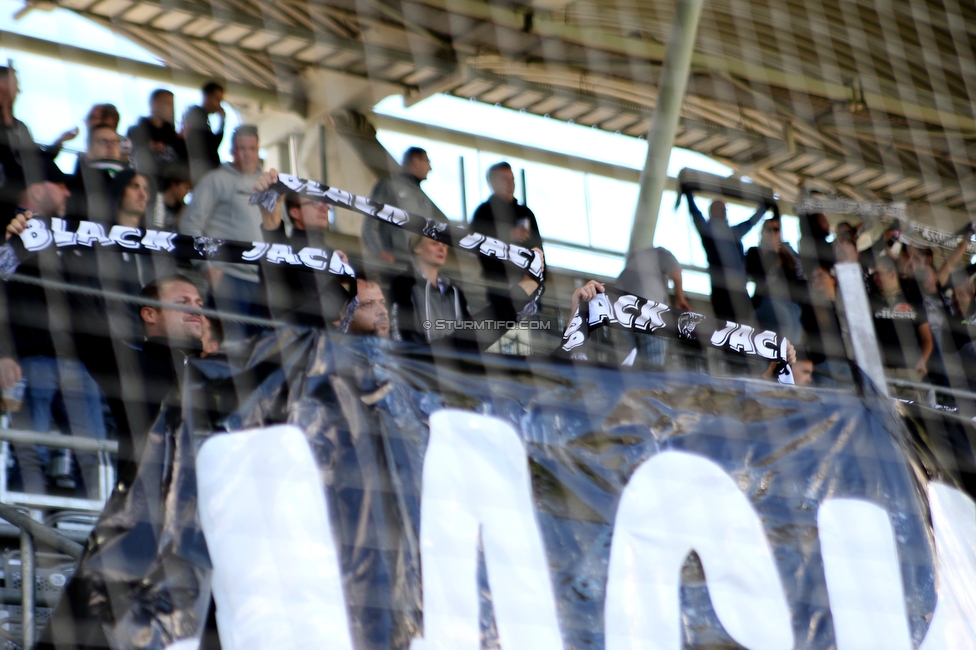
(113, 63)
(925, 110)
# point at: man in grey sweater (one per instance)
(220, 210)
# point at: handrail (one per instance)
(914, 385)
(42, 533)
(75, 443)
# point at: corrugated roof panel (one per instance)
(523, 100)
(397, 70)
(597, 116)
(572, 111)
(111, 8)
(287, 46)
(498, 94)
(733, 148)
(620, 122)
(473, 88)
(171, 20)
(638, 128)
(77, 5)
(141, 13)
(343, 59)
(201, 27)
(549, 105)
(230, 34)
(315, 53)
(258, 40)
(861, 177)
(421, 76)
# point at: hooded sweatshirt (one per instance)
(220, 209)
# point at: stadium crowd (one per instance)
(92, 365)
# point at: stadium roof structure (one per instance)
(872, 98)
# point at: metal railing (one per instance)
(33, 531)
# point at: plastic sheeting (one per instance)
(707, 495)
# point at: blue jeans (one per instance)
(652, 350)
(48, 377)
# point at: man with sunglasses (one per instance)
(296, 295)
(776, 269)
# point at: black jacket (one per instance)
(300, 296)
(415, 300)
(496, 218)
(151, 162)
(202, 144)
(149, 372)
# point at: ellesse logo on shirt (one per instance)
(901, 311)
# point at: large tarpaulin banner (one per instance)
(345, 493)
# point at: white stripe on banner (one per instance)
(867, 600)
(954, 520)
(276, 579)
(676, 503)
(476, 483)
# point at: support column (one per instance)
(664, 122)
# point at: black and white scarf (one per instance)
(626, 311)
(42, 234)
(529, 261)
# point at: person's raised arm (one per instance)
(740, 229)
(270, 219)
(952, 261)
(679, 301)
(696, 216)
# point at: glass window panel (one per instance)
(559, 201)
(583, 261)
(610, 208)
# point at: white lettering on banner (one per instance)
(282, 254)
(156, 240)
(537, 265)
(494, 248)
(741, 340)
(867, 600)
(471, 240)
(314, 258)
(523, 258)
(601, 309)
(476, 480)
(119, 235)
(650, 316)
(256, 253)
(673, 504)
(36, 237)
(90, 232)
(625, 309)
(953, 623)
(62, 236)
(721, 336)
(276, 577)
(767, 345)
(277, 581)
(574, 337)
(338, 266)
